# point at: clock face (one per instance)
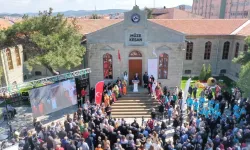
(135, 18)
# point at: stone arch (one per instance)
(135, 53)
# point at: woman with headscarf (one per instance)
(106, 100)
(116, 91)
(125, 76)
(124, 87)
(120, 88)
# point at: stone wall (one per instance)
(216, 61)
(96, 52)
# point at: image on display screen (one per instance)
(54, 97)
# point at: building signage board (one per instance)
(135, 39)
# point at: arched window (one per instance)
(9, 59)
(237, 47)
(207, 53)
(226, 50)
(38, 73)
(135, 54)
(18, 59)
(163, 66)
(107, 66)
(188, 71)
(223, 71)
(189, 51)
(245, 48)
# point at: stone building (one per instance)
(135, 38)
(181, 47)
(11, 62)
(174, 48)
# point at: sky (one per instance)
(24, 6)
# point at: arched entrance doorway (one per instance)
(135, 65)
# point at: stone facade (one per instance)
(216, 61)
(12, 75)
(116, 37)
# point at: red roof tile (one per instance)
(202, 26)
(4, 24)
(244, 31)
(92, 25)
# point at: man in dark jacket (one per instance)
(145, 80)
(51, 143)
(90, 142)
(190, 90)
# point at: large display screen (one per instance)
(51, 98)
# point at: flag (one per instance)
(185, 95)
(119, 55)
(98, 92)
(154, 53)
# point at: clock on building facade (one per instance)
(135, 18)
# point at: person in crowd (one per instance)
(136, 77)
(92, 95)
(125, 76)
(195, 91)
(83, 94)
(190, 90)
(150, 85)
(206, 126)
(120, 88)
(145, 79)
(106, 100)
(79, 101)
(124, 87)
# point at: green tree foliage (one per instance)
(244, 77)
(149, 13)
(202, 76)
(51, 41)
(94, 16)
(208, 72)
(1, 75)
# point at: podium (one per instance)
(135, 82)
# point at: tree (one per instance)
(149, 13)
(244, 76)
(51, 41)
(1, 75)
(94, 16)
(203, 73)
(208, 72)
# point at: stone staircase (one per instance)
(134, 105)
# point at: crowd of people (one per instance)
(205, 125)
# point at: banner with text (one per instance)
(152, 68)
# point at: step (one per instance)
(131, 113)
(135, 100)
(135, 103)
(131, 116)
(131, 109)
(132, 98)
(135, 95)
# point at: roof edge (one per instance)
(240, 28)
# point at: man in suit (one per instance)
(145, 80)
(136, 77)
